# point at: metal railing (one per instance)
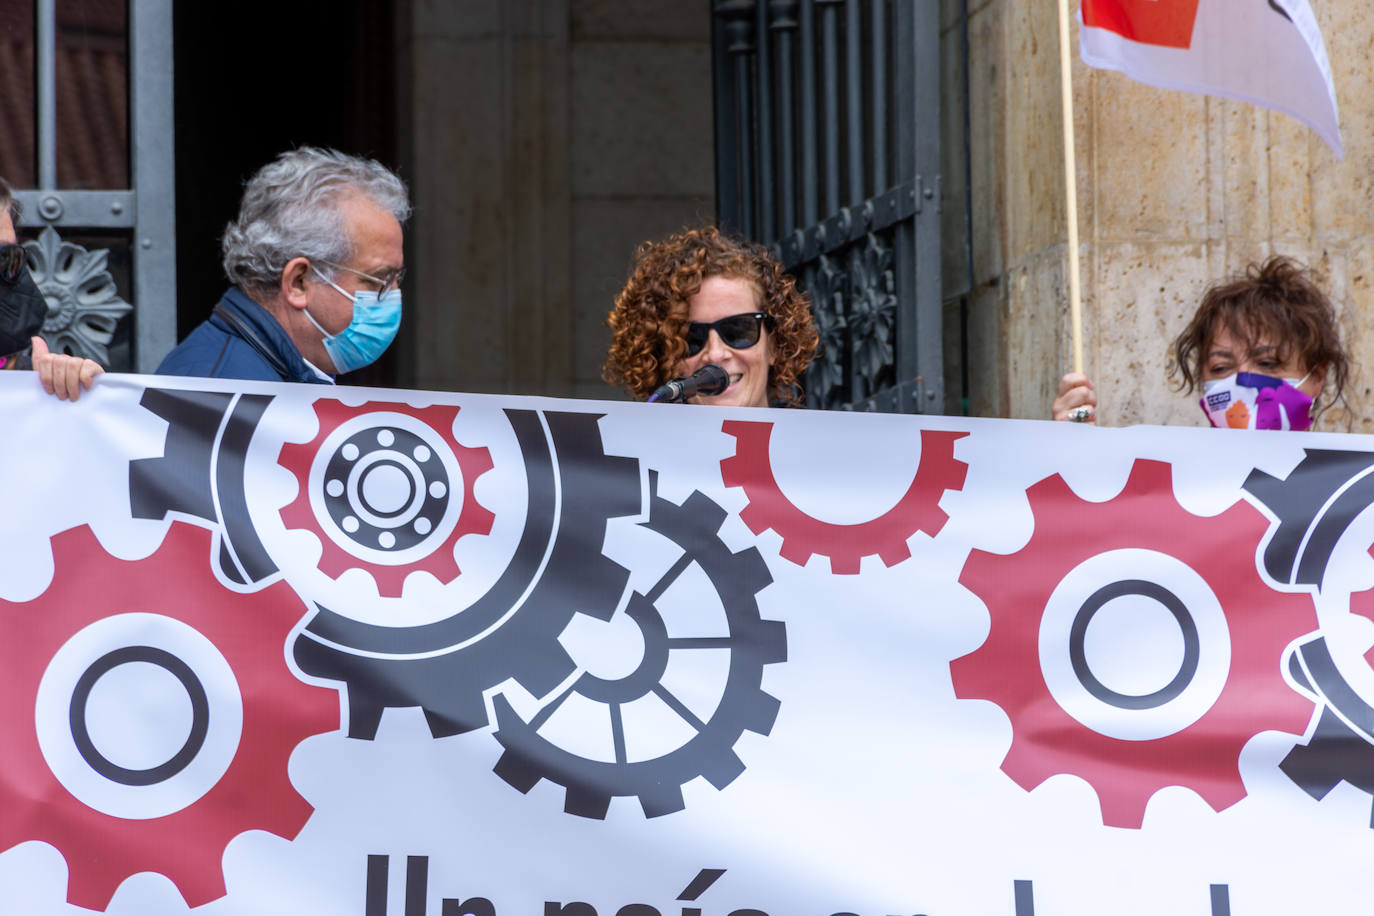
(84, 306)
(828, 149)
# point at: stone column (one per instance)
(643, 150)
(491, 236)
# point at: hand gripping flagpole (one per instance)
(1070, 187)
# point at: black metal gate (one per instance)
(95, 171)
(828, 149)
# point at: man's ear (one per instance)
(296, 278)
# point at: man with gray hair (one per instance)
(316, 262)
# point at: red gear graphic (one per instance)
(1016, 588)
(1362, 603)
(845, 545)
(335, 559)
(250, 630)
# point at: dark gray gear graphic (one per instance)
(557, 571)
(753, 642)
(1340, 749)
(1314, 505)
(200, 473)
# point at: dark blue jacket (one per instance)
(240, 340)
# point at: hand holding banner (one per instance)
(278, 649)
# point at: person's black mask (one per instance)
(22, 310)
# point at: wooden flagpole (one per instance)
(1070, 187)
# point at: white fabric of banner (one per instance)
(281, 649)
(1265, 53)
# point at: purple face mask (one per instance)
(1249, 400)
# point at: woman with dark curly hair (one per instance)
(1263, 348)
(700, 298)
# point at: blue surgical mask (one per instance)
(375, 323)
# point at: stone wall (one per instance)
(1174, 190)
(548, 138)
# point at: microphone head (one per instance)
(711, 379)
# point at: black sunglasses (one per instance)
(738, 332)
(12, 260)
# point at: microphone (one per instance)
(710, 379)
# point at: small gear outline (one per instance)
(744, 706)
(846, 545)
(336, 559)
(1016, 588)
(279, 711)
(558, 570)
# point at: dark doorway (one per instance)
(254, 78)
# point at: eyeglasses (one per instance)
(738, 332)
(384, 284)
(12, 260)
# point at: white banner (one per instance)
(281, 649)
(1266, 52)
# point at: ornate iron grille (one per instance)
(828, 149)
(101, 193)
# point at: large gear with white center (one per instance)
(387, 489)
(76, 663)
(1139, 546)
(557, 569)
(511, 631)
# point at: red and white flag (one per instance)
(1268, 52)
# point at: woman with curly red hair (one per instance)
(1263, 348)
(700, 298)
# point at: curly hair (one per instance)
(1276, 301)
(649, 320)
